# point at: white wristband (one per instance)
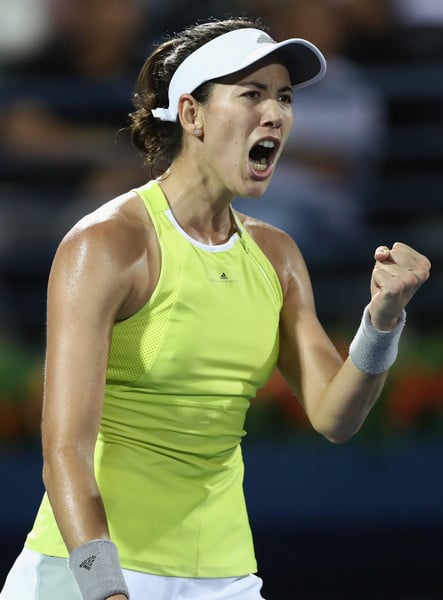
(96, 568)
(374, 351)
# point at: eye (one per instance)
(286, 98)
(254, 94)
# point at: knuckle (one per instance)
(410, 280)
(396, 288)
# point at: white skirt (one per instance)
(36, 576)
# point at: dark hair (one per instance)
(161, 141)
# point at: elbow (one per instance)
(338, 439)
(339, 435)
(49, 473)
(336, 428)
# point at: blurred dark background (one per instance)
(364, 166)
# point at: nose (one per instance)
(272, 114)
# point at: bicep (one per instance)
(83, 298)
(308, 359)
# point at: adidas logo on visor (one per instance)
(265, 39)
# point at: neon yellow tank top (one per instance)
(181, 374)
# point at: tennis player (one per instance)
(167, 310)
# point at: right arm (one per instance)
(89, 286)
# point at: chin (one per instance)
(255, 189)
(249, 187)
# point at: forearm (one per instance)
(74, 497)
(80, 515)
(346, 402)
(352, 392)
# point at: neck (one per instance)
(201, 210)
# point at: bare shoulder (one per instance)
(279, 247)
(116, 230)
(111, 256)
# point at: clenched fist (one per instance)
(398, 273)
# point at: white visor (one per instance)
(233, 52)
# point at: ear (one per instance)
(189, 113)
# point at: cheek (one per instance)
(226, 141)
(225, 133)
(234, 150)
(288, 124)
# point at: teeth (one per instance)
(260, 166)
(266, 144)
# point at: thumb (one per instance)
(382, 253)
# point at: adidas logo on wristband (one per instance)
(88, 562)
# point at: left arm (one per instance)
(337, 396)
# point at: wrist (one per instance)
(384, 324)
(372, 350)
(97, 571)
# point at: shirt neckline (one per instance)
(208, 247)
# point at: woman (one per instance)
(166, 311)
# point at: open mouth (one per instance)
(261, 156)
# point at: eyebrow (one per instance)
(263, 86)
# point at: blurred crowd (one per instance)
(363, 164)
